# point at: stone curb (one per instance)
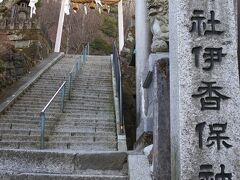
(121, 139)
(60, 162)
(10, 100)
(138, 167)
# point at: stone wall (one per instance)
(13, 24)
(20, 50)
(23, 43)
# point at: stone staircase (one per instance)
(19, 124)
(79, 143)
(88, 122)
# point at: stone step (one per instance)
(36, 176)
(25, 104)
(24, 113)
(89, 80)
(74, 117)
(88, 146)
(85, 146)
(95, 77)
(48, 85)
(40, 102)
(102, 77)
(17, 126)
(32, 108)
(36, 98)
(95, 138)
(62, 164)
(36, 132)
(73, 122)
(90, 104)
(93, 89)
(72, 139)
(92, 97)
(72, 108)
(93, 129)
(102, 114)
(90, 127)
(48, 88)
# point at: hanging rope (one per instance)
(67, 7)
(32, 4)
(85, 9)
(98, 2)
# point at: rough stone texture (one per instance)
(147, 123)
(139, 168)
(15, 164)
(23, 42)
(161, 118)
(7, 4)
(158, 16)
(61, 177)
(238, 19)
(186, 78)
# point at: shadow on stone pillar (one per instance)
(237, 3)
(161, 118)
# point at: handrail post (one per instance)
(62, 98)
(84, 54)
(77, 66)
(88, 48)
(43, 119)
(82, 58)
(70, 85)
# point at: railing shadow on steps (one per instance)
(118, 77)
(64, 90)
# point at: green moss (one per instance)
(100, 44)
(39, 3)
(109, 26)
(114, 10)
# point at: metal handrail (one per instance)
(42, 113)
(118, 76)
(76, 68)
(72, 75)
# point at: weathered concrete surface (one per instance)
(139, 168)
(189, 151)
(15, 162)
(161, 119)
(61, 177)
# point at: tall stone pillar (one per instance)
(142, 53)
(204, 90)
